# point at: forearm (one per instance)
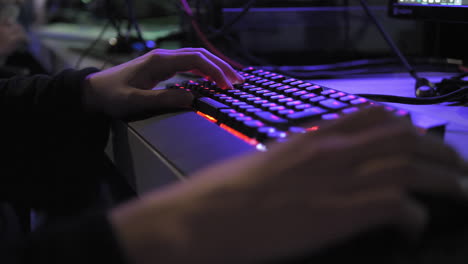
(52, 146)
(57, 95)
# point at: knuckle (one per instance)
(198, 56)
(200, 50)
(155, 55)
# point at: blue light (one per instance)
(138, 46)
(151, 44)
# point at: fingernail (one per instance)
(240, 79)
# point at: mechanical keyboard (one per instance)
(271, 106)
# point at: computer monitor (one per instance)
(435, 10)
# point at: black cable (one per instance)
(389, 40)
(460, 94)
(93, 44)
(134, 22)
(112, 14)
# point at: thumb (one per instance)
(146, 103)
(171, 98)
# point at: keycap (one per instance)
(290, 80)
(273, 86)
(260, 102)
(270, 75)
(260, 92)
(276, 108)
(282, 88)
(263, 73)
(268, 105)
(290, 91)
(293, 103)
(277, 97)
(242, 108)
(285, 100)
(266, 84)
(350, 110)
(308, 96)
(327, 92)
(332, 104)
(348, 98)
(253, 99)
(223, 114)
(286, 112)
(311, 113)
(299, 94)
(237, 104)
(276, 135)
(261, 81)
(244, 97)
(209, 106)
(277, 78)
(255, 89)
(297, 130)
(253, 110)
(302, 106)
(359, 101)
(233, 91)
(330, 116)
(262, 132)
(297, 83)
(269, 94)
(304, 85)
(314, 89)
(336, 95)
(317, 99)
(248, 69)
(250, 127)
(270, 118)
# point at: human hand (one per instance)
(299, 197)
(125, 91)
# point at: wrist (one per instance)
(88, 98)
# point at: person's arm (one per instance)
(45, 128)
(57, 114)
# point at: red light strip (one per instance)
(314, 128)
(234, 132)
(238, 134)
(209, 118)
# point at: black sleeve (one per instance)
(52, 158)
(89, 239)
(51, 147)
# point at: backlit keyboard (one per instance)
(271, 106)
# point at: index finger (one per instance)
(232, 74)
(192, 61)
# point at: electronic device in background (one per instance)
(301, 32)
(449, 89)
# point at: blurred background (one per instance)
(276, 33)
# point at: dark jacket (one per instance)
(52, 163)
